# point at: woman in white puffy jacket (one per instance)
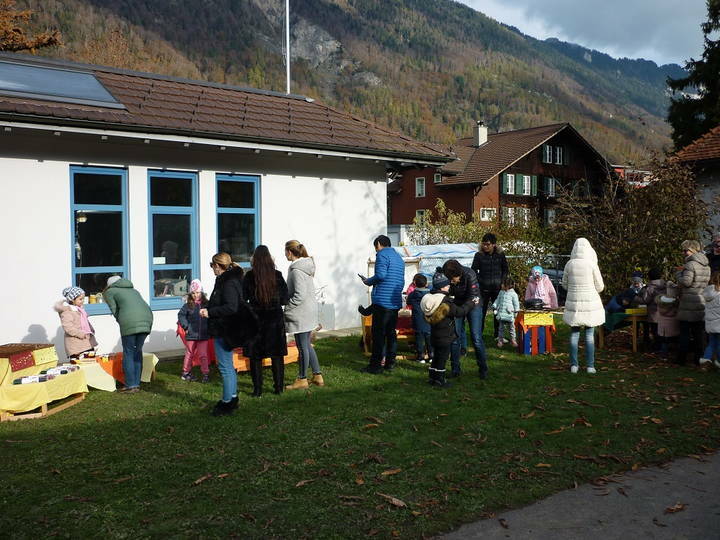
(583, 282)
(711, 294)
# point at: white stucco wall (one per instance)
(335, 207)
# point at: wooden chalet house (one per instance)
(514, 176)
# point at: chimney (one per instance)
(480, 133)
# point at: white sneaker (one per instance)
(591, 370)
(717, 363)
(704, 361)
(573, 369)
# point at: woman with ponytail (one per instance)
(266, 291)
(301, 313)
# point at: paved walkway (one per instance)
(636, 507)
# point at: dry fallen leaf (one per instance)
(304, 482)
(528, 415)
(359, 480)
(390, 472)
(436, 443)
(393, 500)
(503, 523)
(370, 426)
(202, 479)
(543, 465)
(678, 507)
(374, 419)
(223, 475)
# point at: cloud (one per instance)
(660, 30)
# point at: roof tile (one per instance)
(704, 148)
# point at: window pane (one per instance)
(236, 235)
(94, 283)
(171, 239)
(167, 191)
(98, 238)
(236, 194)
(171, 282)
(98, 188)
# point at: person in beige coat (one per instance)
(692, 278)
(583, 307)
(79, 333)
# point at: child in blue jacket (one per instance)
(419, 323)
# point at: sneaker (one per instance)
(500, 343)
(591, 370)
(205, 378)
(189, 377)
(126, 390)
(704, 361)
(421, 361)
(514, 343)
(717, 363)
(573, 369)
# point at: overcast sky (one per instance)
(665, 31)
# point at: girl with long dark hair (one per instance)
(266, 291)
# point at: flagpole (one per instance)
(287, 45)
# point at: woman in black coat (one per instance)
(230, 324)
(266, 291)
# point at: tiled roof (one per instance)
(704, 148)
(162, 104)
(480, 164)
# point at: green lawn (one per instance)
(366, 455)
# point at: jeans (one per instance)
(487, 299)
(384, 339)
(476, 328)
(422, 340)
(307, 355)
(224, 356)
(132, 358)
(589, 345)
(713, 347)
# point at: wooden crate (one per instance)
(242, 363)
(46, 409)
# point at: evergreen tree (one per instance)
(692, 116)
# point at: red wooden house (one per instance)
(512, 175)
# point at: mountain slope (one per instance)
(428, 68)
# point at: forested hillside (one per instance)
(428, 68)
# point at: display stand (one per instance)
(17, 401)
(534, 332)
(46, 409)
(242, 363)
(403, 329)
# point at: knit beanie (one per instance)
(430, 302)
(113, 279)
(196, 286)
(71, 293)
(439, 280)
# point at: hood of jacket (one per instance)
(62, 305)
(699, 257)
(304, 264)
(431, 301)
(122, 283)
(583, 250)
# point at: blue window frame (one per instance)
(238, 211)
(173, 236)
(99, 230)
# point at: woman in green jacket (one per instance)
(135, 319)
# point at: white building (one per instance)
(107, 171)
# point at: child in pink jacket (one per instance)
(540, 287)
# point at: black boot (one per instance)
(278, 372)
(437, 379)
(225, 408)
(256, 375)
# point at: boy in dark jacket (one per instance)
(420, 325)
(441, 313)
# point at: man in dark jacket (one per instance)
(464, 288)
(491, 268)
(387, 285)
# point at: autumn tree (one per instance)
(690, 115)
(634, 226)
(14, 37)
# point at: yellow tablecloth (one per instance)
(26, 397)
(99, 378)
(46, 360)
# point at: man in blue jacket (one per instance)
(387, 284)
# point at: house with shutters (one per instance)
(512, 175)
(114, 172)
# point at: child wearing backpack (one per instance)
(196, 332)
(441, 312)
(420, 326)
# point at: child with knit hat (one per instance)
(197, 338)
(441, 312)
(79, 333)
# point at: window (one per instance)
(527, 185)
(487, 214)
(173, 236)
(550, 186)
(525, 215)
(419, 187)
(549, 216)
(437, 178)
(98, 202)
(238, 207)
(559, 155)
(509, 184)
(547, 156)
(509, 215)
(420, 215)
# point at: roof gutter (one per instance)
(210, 139)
